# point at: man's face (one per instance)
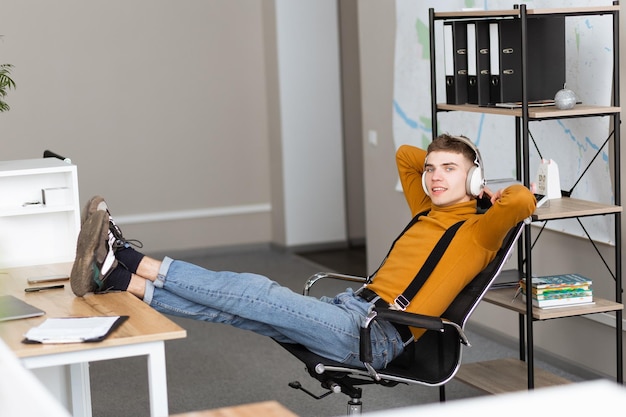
(445, 177)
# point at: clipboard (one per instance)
(73, 330)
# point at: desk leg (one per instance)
(81, 389)
(157, 378)
(157, 381)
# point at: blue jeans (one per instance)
(326, 326)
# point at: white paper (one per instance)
(71, 330)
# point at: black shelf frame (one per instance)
(522, 145)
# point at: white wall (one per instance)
(164, 106)
(309, 132)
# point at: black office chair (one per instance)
(435, 357)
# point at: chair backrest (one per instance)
(437, 355)
(465, 303)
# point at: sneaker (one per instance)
(97, 203)
(95, 257)
(94, 204)
(119, 241)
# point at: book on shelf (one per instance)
(561, 302)
(518, 104)
(559, 290)
(545, 67)
(455, 61)
(478, 62)
(559, 294)
(557, 281)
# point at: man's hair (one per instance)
(449, 143)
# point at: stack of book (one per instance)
(559, 290)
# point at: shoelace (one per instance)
(120, 241)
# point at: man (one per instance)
(444, 180)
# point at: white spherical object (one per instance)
(565, 99)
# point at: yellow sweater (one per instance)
(473, 247)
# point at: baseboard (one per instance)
(325, 246)
(193, 214)
(317, 247)
(218, 250)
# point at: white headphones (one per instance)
(475, 176)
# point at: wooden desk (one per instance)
(142, 334)
(265, 409)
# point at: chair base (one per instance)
(355, 405)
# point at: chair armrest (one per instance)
(323, 275)
(410, 319)
(400, 317)
(420, 321)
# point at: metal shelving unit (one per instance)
(485, 376)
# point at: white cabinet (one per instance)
(31, 232)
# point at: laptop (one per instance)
(12, 308)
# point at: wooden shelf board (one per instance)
(476, 13)
(504, 298)
(566, 207)
(536, 113)
(575, 10)
(505, 375)
(578, 110)
(515, 12)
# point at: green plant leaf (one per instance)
(6, 83)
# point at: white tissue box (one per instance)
(59, 196)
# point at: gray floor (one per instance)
(218, 366)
